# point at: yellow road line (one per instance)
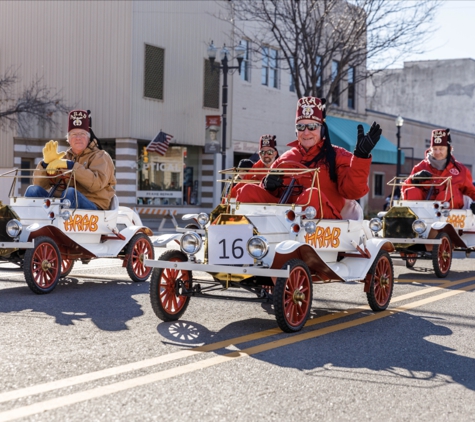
(436, 281)
(97, 392)
(134, 366)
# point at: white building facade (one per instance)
(141, 67)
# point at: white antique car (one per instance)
(428, 229)
(45, 237)
(276, 252)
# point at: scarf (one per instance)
(437, 164)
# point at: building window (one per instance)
(246, 62)
(336, 88)
(351, 87)
(211, 87)
(26, 180)
(319, 73)
(378, 185)
(154, 72)
(170, 179)
(269, 75)
(291, 79)
(427, 143)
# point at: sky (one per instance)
(455, 38)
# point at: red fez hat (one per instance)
(79, 119)
(267, 141)
(440, 138)
(311, 108)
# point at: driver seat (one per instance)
(114, 203)
(352, 210)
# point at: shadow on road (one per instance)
(108, 304)
(396, 346)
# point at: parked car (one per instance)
(45, 236)
(272, 252)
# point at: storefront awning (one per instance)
(343, 133)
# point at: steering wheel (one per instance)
(58, 180)
(294, 183)
(301, 179)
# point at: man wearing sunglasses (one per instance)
(267, 155)
(342, 175)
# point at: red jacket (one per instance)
(462, 183)
(259, 165)
(352, 172)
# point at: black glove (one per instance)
(273, 182)
(366, 143)
(421, 176)
(472, 207)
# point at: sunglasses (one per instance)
(310, 126)
(268, 152)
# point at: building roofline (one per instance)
(452, 130)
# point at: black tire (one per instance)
(442, 256)
(42, 266)
(293, 297)
(410, 262)
(67, 266)
(382, 282)
(138, 249)
(167, 305)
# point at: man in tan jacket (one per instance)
(93, 169)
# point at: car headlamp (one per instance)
(310, 227)
(419, 226)
(257, 247)
(445, 205)
(310, 213)
(65, 215)
(14, 228)
(190, 243)
(202, 219)
(375, 224)
(65, 204)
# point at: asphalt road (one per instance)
(94, 350)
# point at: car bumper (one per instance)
(192, 266)
(17, 245)
(408, 241)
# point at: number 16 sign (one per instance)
(227, 244)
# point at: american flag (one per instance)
(160, 143)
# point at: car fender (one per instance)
(131, 231)
(442, 226)
(289, 249)
(36, 230)
(350, 268)
(163, 240)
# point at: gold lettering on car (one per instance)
(456, 220)
(81, 223)
(324, 237)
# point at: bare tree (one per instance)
(37, 104)
(366, 35)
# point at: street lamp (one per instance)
(399, 123)
(239, 50)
